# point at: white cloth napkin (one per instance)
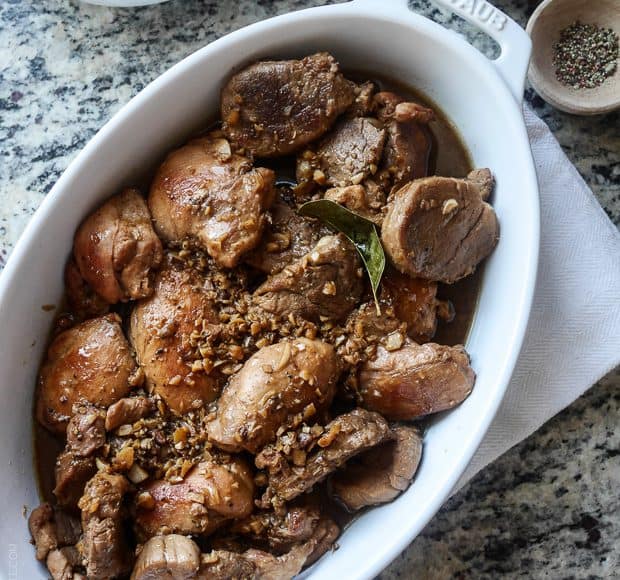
(573, 336)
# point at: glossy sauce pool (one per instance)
(450, 158)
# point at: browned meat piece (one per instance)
(225, 565)
(52, 529)
(217, 489)
(92, 362)
(350, 152)
(289, 237)
(325, 536)
(160, 331)
(278, 385)
(71, 474)
(485, 181)
(259, 565)
(365, 329)
(326, 282)
(281, 567)
(127, 411)
(61, 563)
(415, 380)
(344, 437)
(439, 228)
(407, 153)
(104, 545)
(409, 141)
(365, 323)
(82, 300)
(68, 528)
(169, 557)
(278, 532)
(389, 106)
(415, 302)
(85, 431)
(365, 201)
(205, 192)
(381, 474)
(43, 530)
(116, 249)
(363, 104)
(274, 108)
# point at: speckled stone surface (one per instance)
(550, 507)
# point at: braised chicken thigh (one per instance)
(206, 192)
(116, 249)
(216, 489)
(160, 330)
(245, 358)
(274, 386)
(92, 362)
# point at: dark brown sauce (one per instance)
(46, 450)
(449, 158)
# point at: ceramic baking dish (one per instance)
(483, 99)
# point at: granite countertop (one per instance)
(547, 508)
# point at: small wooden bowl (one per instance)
(544, 27)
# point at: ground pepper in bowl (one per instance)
(585, 55)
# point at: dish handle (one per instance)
(514, 42)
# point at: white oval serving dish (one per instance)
(481, 97)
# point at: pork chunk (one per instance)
(90, 362)
(415, 380)
(76, 464)
(484, 180)
(52, 529)
(61, 563)
(323, 283)
(277, 532)
(415, 303)
(381, 474)
(160, 331)
(218, 488)
(409, 307)
(363, 104)
(104, 545)
(312, 459)
(86, 430)
(71, 474)
(439, 228)
(288, 237)
(207, 193)
(351, 151)
(168, 557)
(274, 108)
(365, 200)
(224, 565)
(409, 141)
(116, 249)
(43, 530)
(127, 411)
(259, 565)
(273, 388)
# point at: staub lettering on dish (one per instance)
(483, 12)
